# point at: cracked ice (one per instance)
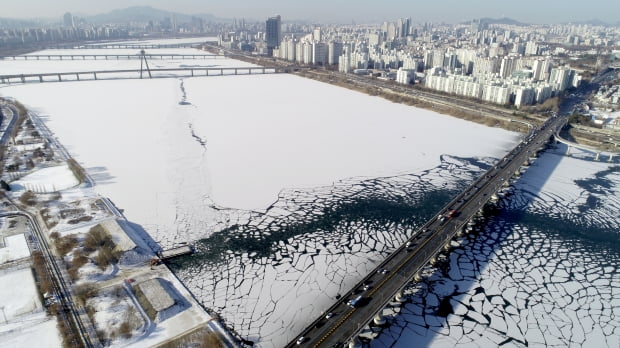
(543, 271)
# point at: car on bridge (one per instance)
(451, 213)
(357, 302)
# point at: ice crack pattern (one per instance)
(542, 272)
(269, 274)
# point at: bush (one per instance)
(65, 244)
(77, 170)
(125, 330)
(105, 257)
(99, 240)
(85, 292)
(79, 260)
(28, 198)
(211, 340)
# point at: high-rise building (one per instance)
(334, 50)
(68, 20)
(273, 33)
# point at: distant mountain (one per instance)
(505, 21)
(593, 22)
(145, 14)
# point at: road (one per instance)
(58, 274)
(61, 287)
(379, 287)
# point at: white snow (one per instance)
(49, 179)
(240, 142)
(21, 297)
(15, 248)
(41, 334)
(263, 133)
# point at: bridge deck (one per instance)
(136, 74)
(111, 56)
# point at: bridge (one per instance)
(122, 46)
(597, 157)
(345, 319)
(111, 56)
(137, 74)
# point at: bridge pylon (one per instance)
(433, 260)
(400, 297)
(355, 343)
(379, 319)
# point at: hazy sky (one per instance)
(530, 11)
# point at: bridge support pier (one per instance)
(417, 277)
(447, 246)
(568, 150)
(494, 198)
(400, 297)
(433, 260)
(40, 78)
(379, 319)
(611, 157)
(355, 343)
(597, 157)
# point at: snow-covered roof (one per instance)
(156, 294)
(122, 241)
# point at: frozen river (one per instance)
(294, 189)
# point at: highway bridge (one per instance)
(342, 322)
(113, 56)
(137, 74)
(121, 46)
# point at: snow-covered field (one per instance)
(15, 248)
(50, 179)
(24, 322)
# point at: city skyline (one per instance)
(527, 11)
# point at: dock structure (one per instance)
(175, 252)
